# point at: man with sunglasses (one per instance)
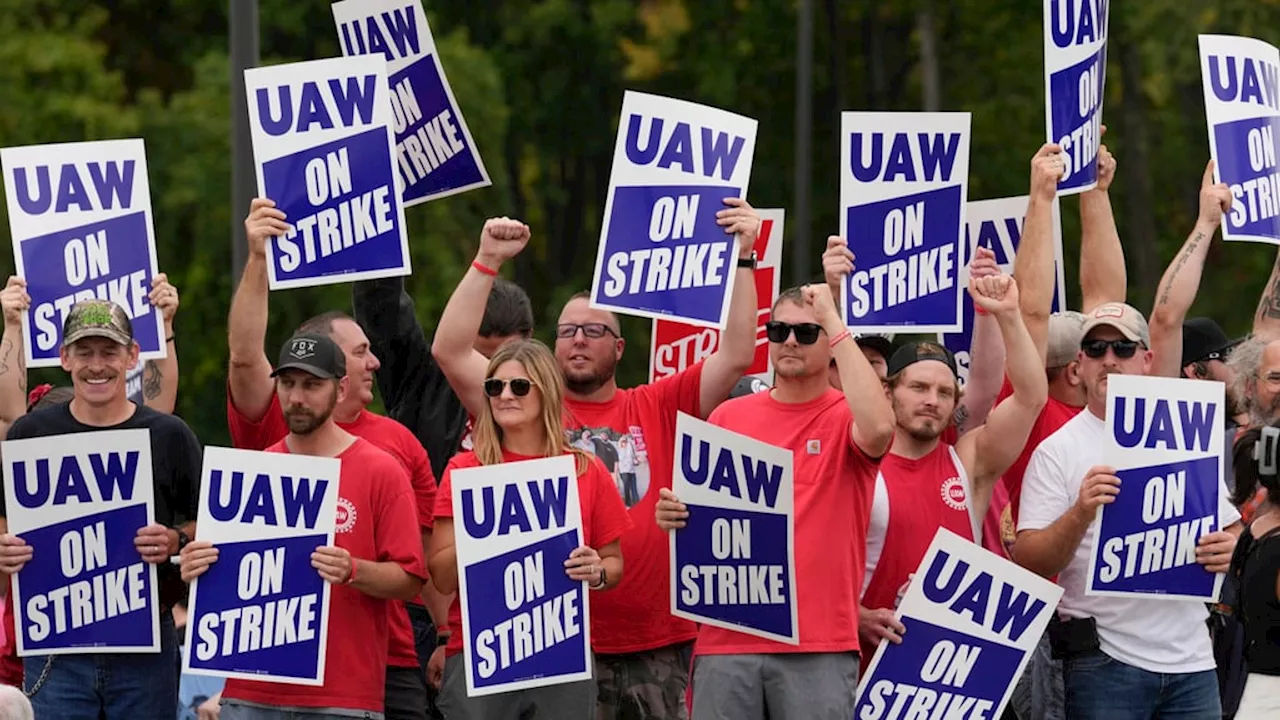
(1151, 657)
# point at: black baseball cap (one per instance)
(914, 352)
(1201, 337)
(314, 354)
(879, 343)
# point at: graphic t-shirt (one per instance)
(833, 485)
(604, 519)
(392, 438)
(376, 523)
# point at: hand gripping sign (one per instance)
(733, 564)
(1075, 76)
(661, 254)
(996, 225)
(525, 623)
(79, 502)
(1165, 438)
(80, 215)
(435, 154)
(261, 612)
(903, 184)
(972, 619)
(323, 146)
(1242, 103)
(675, 346)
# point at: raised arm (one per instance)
(737, 348)
(454, 345)
(385, 311)
(872, 413)
(986, 355)
(837, 261)
(1266, 320)
(1181, 279)
(1033, 265)
(13, 363)
(1102, 271)
(160, 377)
(249, 375)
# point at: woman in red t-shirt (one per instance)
(522, 421)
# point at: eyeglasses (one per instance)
(1124, 349)
(806, 333)
(591, 330)
(520, 387)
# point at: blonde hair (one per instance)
(540, 365)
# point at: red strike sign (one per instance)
(676, 345)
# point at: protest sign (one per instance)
(80, 217)
(1075, 76)
(435, 154)
(972, 619)
(661, 253)
(133, 384)
(514, 526)
(1165, 439)
(261, 612)
(733, 564)
(996, 225)
(675, 346)
(1241, 78)
(323, 148)
(79, 502)
(903, 184)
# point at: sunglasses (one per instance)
(1124, 349)
(806, 333)
(520, 387)
(594, 331)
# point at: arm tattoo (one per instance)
(1177, 268)
(151, 377)
(1270, 305)
(961, 417)
(6, 349)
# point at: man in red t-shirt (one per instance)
(642, 651)
(376, 557)
(749, 678)
(256, 420)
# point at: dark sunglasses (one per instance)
(591, 330)
(806, 333)
(519, 386)
(1124, 349)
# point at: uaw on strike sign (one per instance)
(676, 346)
(1075, 76)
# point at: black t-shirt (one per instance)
(176, 461)
(1258, 563)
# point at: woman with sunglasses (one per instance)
(522, 421)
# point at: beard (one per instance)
(302, 421)
(585, 382)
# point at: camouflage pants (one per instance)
(648, 685)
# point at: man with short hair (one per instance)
(376, 558)
(98, 350)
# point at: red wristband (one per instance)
(352, 577)
(484, 269)
(979, 310)
(840, 336)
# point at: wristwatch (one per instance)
(604, 579)
(183, 539)
(748, 262)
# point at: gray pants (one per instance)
(783, 686)
(571, 701)
(1039, 693)
(233, 709)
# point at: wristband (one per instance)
(352, 577)
(168, 340)
(841, 336)
(484, 268)
(979, 310)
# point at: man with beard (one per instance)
(256, 420)
(925, 483)
(1153, 657)
(642, 652)
(376, 558)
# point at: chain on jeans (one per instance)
(44, 676)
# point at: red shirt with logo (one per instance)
(1054, 415)
(636, 615)
(376, 523)
(604, 519)
(389, 436)
(834, 481)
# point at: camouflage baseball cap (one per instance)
(97, 318)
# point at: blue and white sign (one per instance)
(525, 623)
(997, 225)
(80, 216)
(434, 151)
(904, 179)
(661, 254)
(733, 564)
(323, 145)
(1075, 76)
(972, 619)
(79, 502)
(261, 612)
(133, 383)
(1242, 104)
(1165, 441)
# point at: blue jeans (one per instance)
(1100, 687)
(108, 685)
(424, 640)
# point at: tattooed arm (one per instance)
(160, 377)
(1266, 321)
(13, 364)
